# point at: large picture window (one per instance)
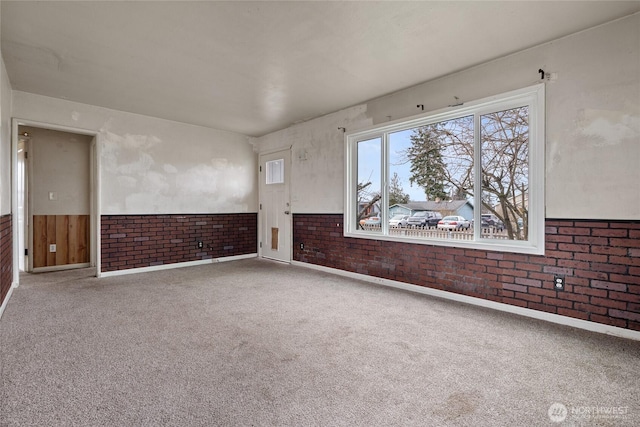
(469, 176)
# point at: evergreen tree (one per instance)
(428, 169)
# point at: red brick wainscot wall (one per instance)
(133, 241)
(599, 259)
(6, 255)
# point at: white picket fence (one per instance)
(435, 233)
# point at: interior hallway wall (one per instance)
(60, 165)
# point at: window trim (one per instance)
(533, 96)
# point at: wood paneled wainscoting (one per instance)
(69, 234)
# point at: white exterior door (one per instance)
(275, 207)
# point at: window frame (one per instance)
(533, 97)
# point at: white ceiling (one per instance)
(259, 66)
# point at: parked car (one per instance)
(372, 221)
(398, 221)
(363, 220)
(492, 221)
(454, 222)
(424, 219)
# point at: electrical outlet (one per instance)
(301, 246)
(200, 245)
(52, 248)
(558, 282)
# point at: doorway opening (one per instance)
(56, 199)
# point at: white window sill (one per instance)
(498, 245)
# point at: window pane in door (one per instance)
(275, 171)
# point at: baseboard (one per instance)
(174, 265)
(527, 312)
(6, 298)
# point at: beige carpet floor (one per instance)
(258, 343)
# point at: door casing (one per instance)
(94, 172)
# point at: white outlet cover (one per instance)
(52, 248)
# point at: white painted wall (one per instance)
(60, 165)
(5, 140)
(151, 166)
(592, 135)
